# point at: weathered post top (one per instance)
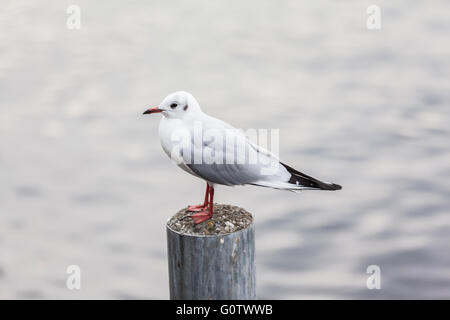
(214, 259)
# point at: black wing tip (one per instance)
(334, 187)
(300, 178)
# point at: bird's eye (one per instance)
(173, 105)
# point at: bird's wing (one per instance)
(225, 156)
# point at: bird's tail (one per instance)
(304, 181)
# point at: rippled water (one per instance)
(84, 181)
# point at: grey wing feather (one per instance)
(227, 174)
(216, 167)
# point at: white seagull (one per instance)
(209, 156)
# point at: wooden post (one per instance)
(212, 260)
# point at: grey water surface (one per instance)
(84, 181)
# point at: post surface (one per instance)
(215, 266)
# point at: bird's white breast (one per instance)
(172, 131)
(167, 131)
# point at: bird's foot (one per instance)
(201, 216)
(197, 207)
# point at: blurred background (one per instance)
(84, 181)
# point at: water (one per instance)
(84, 181)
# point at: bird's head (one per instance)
(176, 105)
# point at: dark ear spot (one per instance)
(185, 107)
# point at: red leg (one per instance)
(211, 202)
(207, 212)
(201, 207)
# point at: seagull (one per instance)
(218, 153)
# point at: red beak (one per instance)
(153, 110)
